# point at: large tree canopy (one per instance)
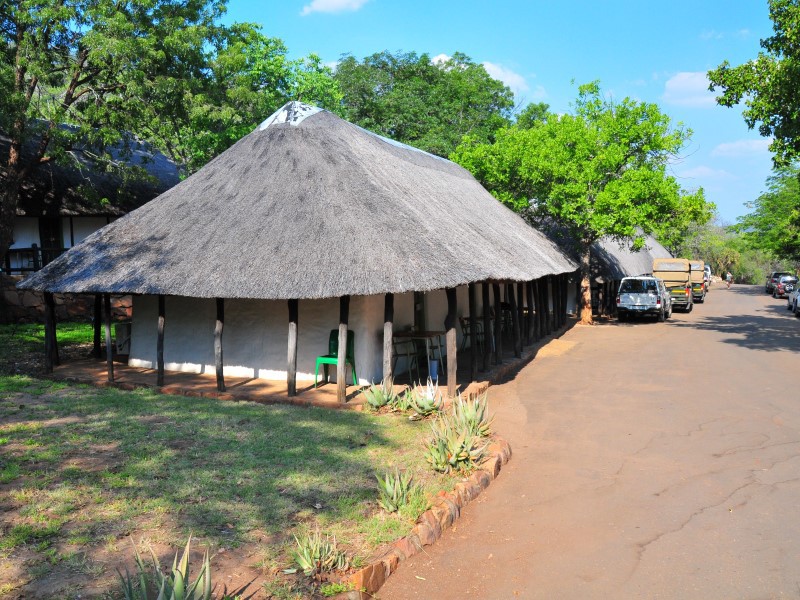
(769, 85)
(601, 171)
(426, 104)
(773, 225)
(165, 71)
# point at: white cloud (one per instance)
(688, 89)
(513, 80)
(703, 172)
(440, 59)
(332, 6)
(742, 148)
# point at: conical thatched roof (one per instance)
(309, 206)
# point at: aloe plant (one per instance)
(472, 414)
(452, 447)
(317, 554)
(394, 489)
(402, 402)
(174, 586)
(378, 396)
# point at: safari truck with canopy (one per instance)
(676, 274)
(698, 268)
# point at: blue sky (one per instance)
(655, 52)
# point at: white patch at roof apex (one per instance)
(292, 112)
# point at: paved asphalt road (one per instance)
(651, 460)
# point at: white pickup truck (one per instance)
(643, 296)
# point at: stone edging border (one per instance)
(429, 526)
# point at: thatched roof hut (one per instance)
(613, 261)
(309, 206)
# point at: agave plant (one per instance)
(174, 586)
(472, 414)
(378, 396)
(452, 447)
(393, 489)
(424, 404)
(402, 402)
(317, 554)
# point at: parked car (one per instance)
(773, 278)
(785, 285)
(639, 296)
(707, 277)
(793, 299)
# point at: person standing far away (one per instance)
(728, 279)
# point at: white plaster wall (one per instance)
(26, 232)
(82, 227)
(255, 335)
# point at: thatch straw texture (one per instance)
(610, 260)
(317, 208)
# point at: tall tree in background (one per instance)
(89, 64)
(598, 172)
(78, 77)
(428, 105)
(769, 85)
(773, 225)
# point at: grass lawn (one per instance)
(86, 472)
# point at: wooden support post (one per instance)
(109, 349)
(450, 339)
(529, 336)
(548, 303)
(521, 314)
(537, 302)
(473, 333)
(512, 297)
(218, 327)
(388, 338)
(162, 310)
(50, 353)
(341, 364)
(564, 288)
(291, 355)
(97, 325)
(487, 326)
(542, 306)
(498, 325)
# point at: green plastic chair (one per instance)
(332, 357)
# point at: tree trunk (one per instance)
(586, 287)
(9, 198)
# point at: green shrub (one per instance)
(393, 490)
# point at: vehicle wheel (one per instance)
(689, 307)
(622, 317)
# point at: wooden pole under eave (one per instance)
(529, 337)
(498, 325)
(512, 297)
(487, 326)
(521, 314)
(291, 356)
(341, 360)
(473, 333)
(450, 339)
(542, 308)
(548, 303)
(109, 349)
(162, 309)
(49, 332)
(97, 324)
(388, 338)
(218, 328)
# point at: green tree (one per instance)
(534, 113)
(90, 64)
(773, 225)
(598, 172)
(427, 105)
(769, 85)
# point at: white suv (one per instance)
(643, 296)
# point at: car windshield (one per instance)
(637, 286)
(779, 275)
(789, 279)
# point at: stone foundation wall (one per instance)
(24, 306)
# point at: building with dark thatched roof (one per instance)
(62, 203)
(353, 230)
